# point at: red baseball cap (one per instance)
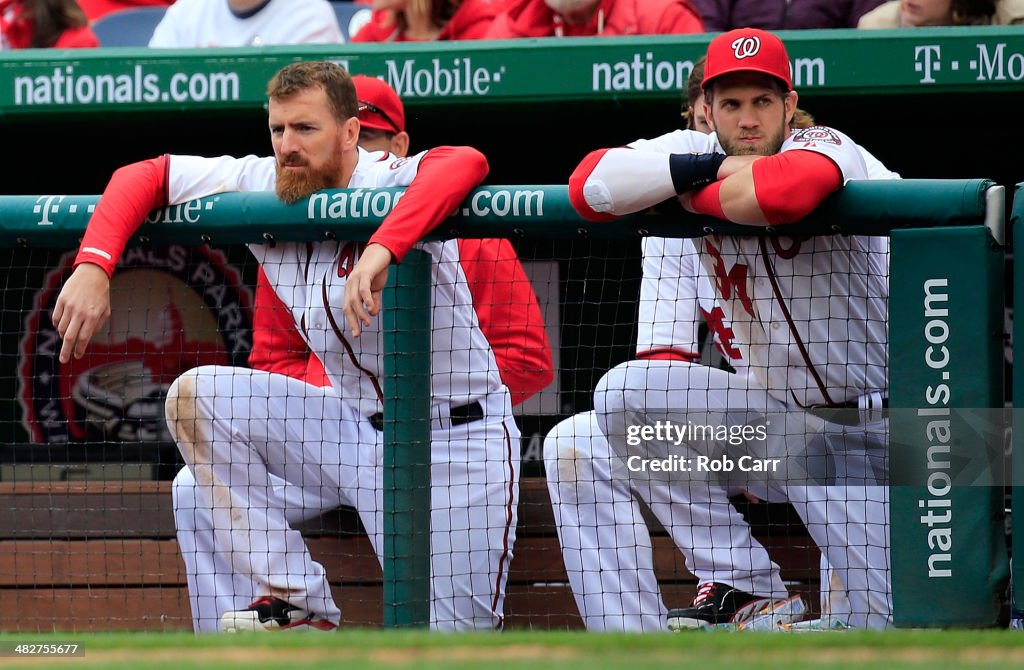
(379, 105)
(747, 50)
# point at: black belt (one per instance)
(458, 416)
(849, 404)
(838, 412)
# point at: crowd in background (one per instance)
(66, 23)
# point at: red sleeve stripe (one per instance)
(667, 354)
(576, 182)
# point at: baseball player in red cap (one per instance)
(810, 313)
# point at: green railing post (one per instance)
(1017, 469)
(949, 562)
(406, 325)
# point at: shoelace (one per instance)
(704, 592)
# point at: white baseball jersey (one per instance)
(211, 23)
(674, 291)
(310, 279)
(813, 310)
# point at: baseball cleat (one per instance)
(273, 614)
(714, 604)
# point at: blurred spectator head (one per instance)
(42, 24)
(918, 13)
(574, 11)
(381, 116)
(406, 12)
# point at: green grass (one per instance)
(537, 651)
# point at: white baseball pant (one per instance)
(846, 514)
(606, 544)
(213, 587)
(236, 428)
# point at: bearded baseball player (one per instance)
(509, 316)
(810, 313)
(236, 427)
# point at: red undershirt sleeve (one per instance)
(707, 201)
(792, 184)
(132, 193)
(444, 178)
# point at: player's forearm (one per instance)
(444, 178)
(615, 182)
(132, 193)
(738, 199)
(775, 190)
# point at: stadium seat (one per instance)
(128, 27)
(351, 16)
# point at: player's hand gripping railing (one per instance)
(945, 233)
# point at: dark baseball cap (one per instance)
(747, 50)
(379, 105)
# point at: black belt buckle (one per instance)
(460, 415)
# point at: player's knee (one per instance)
(183, 413)
(183, 495)
(560, 453)
(611, 391)
(571, 447)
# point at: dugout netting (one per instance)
(87, 459)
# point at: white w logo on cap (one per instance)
(745, 47)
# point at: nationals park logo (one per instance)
(172, 308)
(746, 47)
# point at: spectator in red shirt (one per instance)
(427, 20)
(41, 24)
(573, 18)
(95, 9)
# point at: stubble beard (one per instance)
(769, 147)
